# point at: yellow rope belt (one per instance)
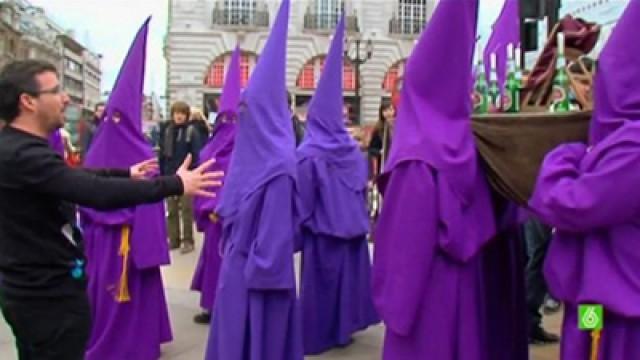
(123, 288)
(595, 343)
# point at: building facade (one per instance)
(26, 32)
(202, 34)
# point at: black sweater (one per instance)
(40, 243)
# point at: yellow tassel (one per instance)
(595, 344)
(123, 287)
(213, 217)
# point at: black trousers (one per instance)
(49, 328)
(537, 237)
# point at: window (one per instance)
(412, 15)
(245, 67)
(215, 77)
(392, 76)
(312, 71)
(349, 77)
(327, 13)
(72, 85)
(306, 80)
(72, 65)
(218, 69)
(240, 12)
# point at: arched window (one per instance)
(392, 76)
(218, 68)
(310, 74)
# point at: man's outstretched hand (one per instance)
(198, 181)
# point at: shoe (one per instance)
(174, 246)
(539, 336)
(551, 306)
(202, 318)
(187, 248)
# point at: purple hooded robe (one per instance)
(590, 195)
(56, 143)
(332, 179)
(219, 147)
(255, 314)
(125, 248)
(437, 212)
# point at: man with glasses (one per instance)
(42, 264)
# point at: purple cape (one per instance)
(437, 211)
(590, 196)
(55, 141)
(255, 313)
(218, 147)
(135, 327)
(506, 30)
(335, 294)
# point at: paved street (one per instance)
(190, 339)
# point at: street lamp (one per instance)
(358, 58)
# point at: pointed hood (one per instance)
(616, 97)
(326, 136)
(232, 83)
(506, 30)
(434, 120)
(265, 143)
(119, 143)
(55, 142)
(220, 145)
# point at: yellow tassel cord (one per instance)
(595, 343)
(213, 217)
(123, 287)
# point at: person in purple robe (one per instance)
(125, 248)
(335, 294)
(219, 147)
(56, 143)
(255, 314)
(437, 212)
(505, 31)
(589, 194)
(503, 286)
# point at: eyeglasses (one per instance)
(53, 91)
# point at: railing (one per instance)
(240, 18)
(327, 22)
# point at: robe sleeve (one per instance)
(270, 260)
(406, 239)
(307, 183)
(307, 196)
(602, 195)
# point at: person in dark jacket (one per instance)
(179, 138)
(43, 278)
(91, 128)
(380, 143)
(201, 124)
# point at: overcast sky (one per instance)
(108, 27)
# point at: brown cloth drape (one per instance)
(513, 146)
(580, 38)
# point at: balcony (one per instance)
(240, 18)
(406, 27)
(325, 23)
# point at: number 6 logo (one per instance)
(590, 317)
